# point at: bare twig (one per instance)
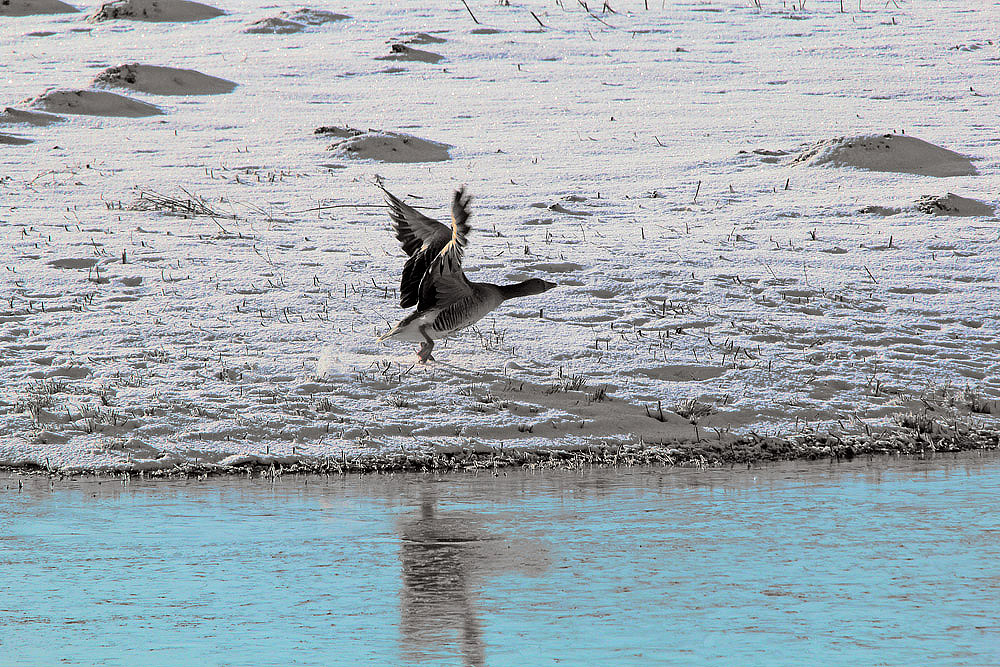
(590, 14)
(470, 13)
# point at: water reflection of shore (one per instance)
(445, 559)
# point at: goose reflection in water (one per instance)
(445, 561)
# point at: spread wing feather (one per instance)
(445, 283)
(425, 240)
(422, 239)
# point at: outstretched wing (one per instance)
(422, 239)
(444, 282)
(414, 230)
(460, 227)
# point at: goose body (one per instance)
(433, 279)
(441, 322)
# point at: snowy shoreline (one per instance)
(749, 450)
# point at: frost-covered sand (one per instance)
(205, 285)
(163, 80)
(154, 10)
(92, 103)
(294, 21)
(404, 52)
(33, 7)
(385, 146)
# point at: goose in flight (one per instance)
(433, 279)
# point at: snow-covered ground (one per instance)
(738, 205)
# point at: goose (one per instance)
(433, 279)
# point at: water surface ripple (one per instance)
(885, 562)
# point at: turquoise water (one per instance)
(890, 562)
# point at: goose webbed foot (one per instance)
(424, 353)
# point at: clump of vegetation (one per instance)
(384, 372)
(920, 422)
(493, 340)
(150, 200)
(33, 404)
(397, 401)
(95, 420)
(976, 402)
(694, 410)
(600, 394)
(324, 404)
(48, 386)
(490, 403)
(572, 383)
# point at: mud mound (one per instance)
(420, 38)
(13, 140)
(274, 26)
(884, 211)
(386, 146)
(163, 80)
(888, 152)
(337, 131)
(404, 52)
(32, 7)
(295, 21)
(155, 10)
(313, 16)
(952, 204)
(93, 103)
(14, 116)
